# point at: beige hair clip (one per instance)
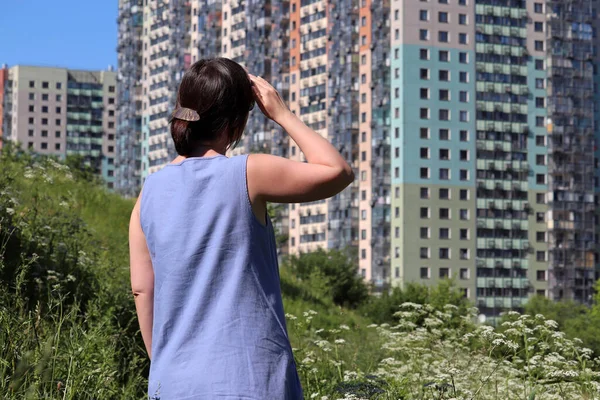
(185, 114)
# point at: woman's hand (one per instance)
(268, 99)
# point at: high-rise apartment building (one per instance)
(63, 112)
(129, 101)
(470, 125)
(3, 80)
(493, 148)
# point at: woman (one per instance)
(204, 269)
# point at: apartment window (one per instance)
(423, 15)
(424, 112)
(31, 96)
(540, 198)
(462, 19)
(56, 146)
(363, 175)
(424, 193)
(462, 2)
(363, 234)
(463, 116)
(424, 54)
(463, 96)
(444, 193)
(44, 133)
(539, 121)
(44, 121)
(539, 45)
(464, 194)
(396, 132)
(58, 110)
(463, 214)
(396, 15)
(57, 134)
(111, 125)
(58, 122)
(540, 217)
(363, 214)
(538, 26)
(30, 145)
(31, 84)
(443, 1)
(443, 17)
(443, 36)
(363, 117)
(444, 75)
(44, 146)
(538, 8)
(363, 38)
(424, 93)
(396, 73)
(539, 84)
(462, 38)
(444, 233)
(540, 159)
(444, 56)
(539, 65)
(45, 109)
(396, 173)
(464, 234)
(424, 73)
(424, 232)
(30, 132)
(424, 172)
(424, 133)
(444, 134)
(540, 236)
(396, 232)
(463, 254)
(464, 174)
(424, 252)
(59, 86)
(424, 273)
(444, 154)
(444, 95)
(540, 274)
(363, 78)
(539, 102)
(424, 212)
(45, 85)
(59, 97)
(463, 77)
(444, 213)
(540, 179)
(444, 174)
(363, 98)
(424, 152)
(444, 253)
(463, 57)
(31, 108)
(363, 254)
(363, 59)
(444, 115)
(111, 149)
(464, 273)
(540, 140)
(540, 256)
(423, 34)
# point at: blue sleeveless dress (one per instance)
(219, 328)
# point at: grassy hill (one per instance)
(68, 326)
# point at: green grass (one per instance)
(68, 327)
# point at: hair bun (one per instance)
(185, 114)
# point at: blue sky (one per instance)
(77, 34)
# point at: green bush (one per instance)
(332, 273)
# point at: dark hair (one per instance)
(220, 91)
